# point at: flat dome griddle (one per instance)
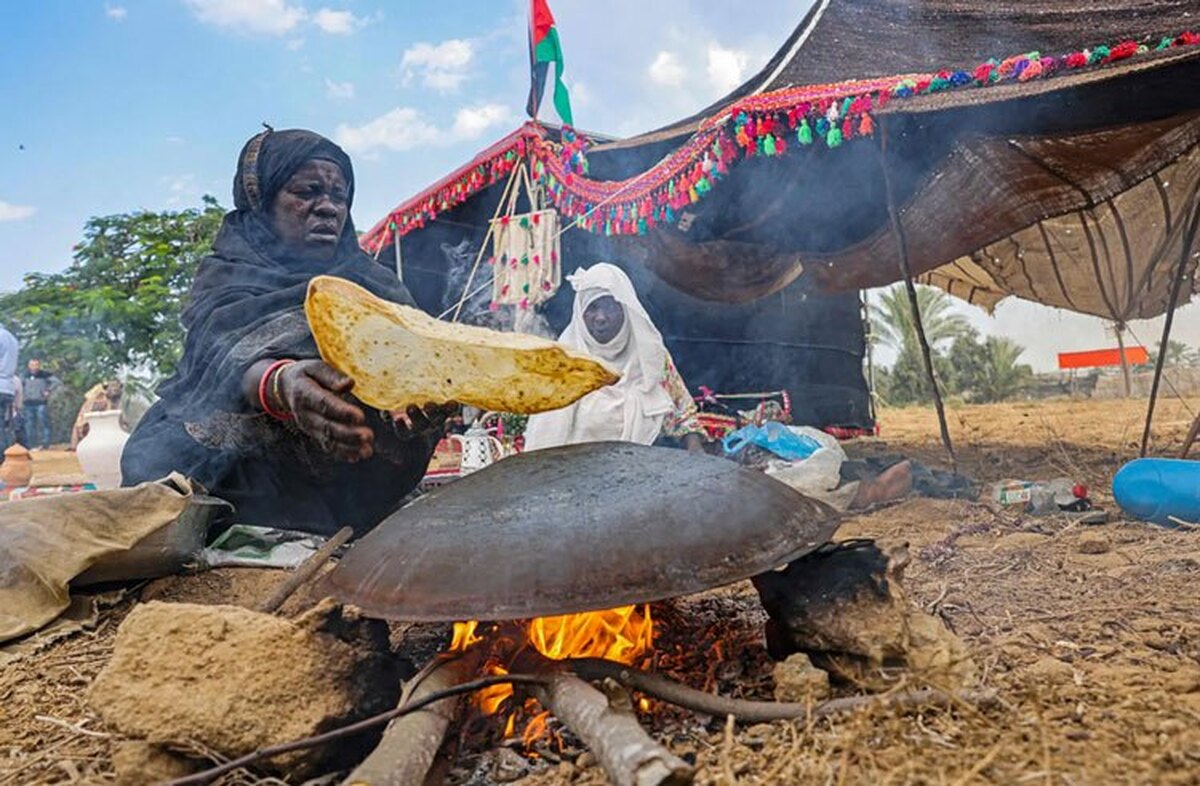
(577, 528)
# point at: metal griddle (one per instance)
(577, 528)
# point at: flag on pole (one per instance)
(544, 49)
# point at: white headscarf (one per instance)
(633, 409)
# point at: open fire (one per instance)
(624, 634)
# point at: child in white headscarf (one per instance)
(651, 399)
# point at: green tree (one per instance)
(967, 357)
(892, 325)
(116, 309)
(1003, 377)
(1177, 354)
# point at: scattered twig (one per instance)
(727, 752)
(305, 571)
(982, 764)
(932, 606)
(77, 728)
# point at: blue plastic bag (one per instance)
(772, 436)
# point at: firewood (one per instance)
(305, 571)
(609, 727)
(750, 711)
(411, 742)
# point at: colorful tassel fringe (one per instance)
(757, 126)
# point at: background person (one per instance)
(37, 386)
(9, 387)
(650, 403)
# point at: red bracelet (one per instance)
(262, 390)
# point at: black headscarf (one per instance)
(247, 304)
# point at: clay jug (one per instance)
(17, 468)
(99, 453)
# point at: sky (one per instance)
(124, 105)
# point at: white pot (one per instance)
(99, 453)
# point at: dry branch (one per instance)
(305, 571)
(760, 711)
(609, 727)
(411, 742)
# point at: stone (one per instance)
(1094, 545)
(138, 762)
(235, 680)
(1051, 671)
(798, 680)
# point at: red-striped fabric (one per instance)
(540, 21)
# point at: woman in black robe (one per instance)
(253, 414)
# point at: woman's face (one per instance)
(604, 318)
(310, 210)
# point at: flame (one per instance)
(464, 636)
(623, 634)
(536, 728)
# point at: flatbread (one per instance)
(400, 356)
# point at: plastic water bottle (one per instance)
(1046, 497)
(1157, 490)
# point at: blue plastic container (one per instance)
(1157, 489)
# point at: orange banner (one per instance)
(1094, 358)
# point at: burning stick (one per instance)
(411, 742)
(609, 728)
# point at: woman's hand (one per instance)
(417, 421)
(311, 391)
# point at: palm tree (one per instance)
(1002, 376)
(1176, 355)
(892, 322)
(892, 325)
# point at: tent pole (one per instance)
(1189, 236)
(906, 270)
(467, 292)
(399, 263)
(866, 318)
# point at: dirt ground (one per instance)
(1088, 634)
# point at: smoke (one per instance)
(477, 307)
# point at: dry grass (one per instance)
(1089, 634)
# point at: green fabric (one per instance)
(548, 50)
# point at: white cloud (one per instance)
(403, 128)
(666, 70)
(10, 212)
(339, 90)
(336, 22)
(264, 17)
(115, 12)
(406, 128)
(726, 67)
(295, 44)
(442, 66)
(176, 140)
(471, 122)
